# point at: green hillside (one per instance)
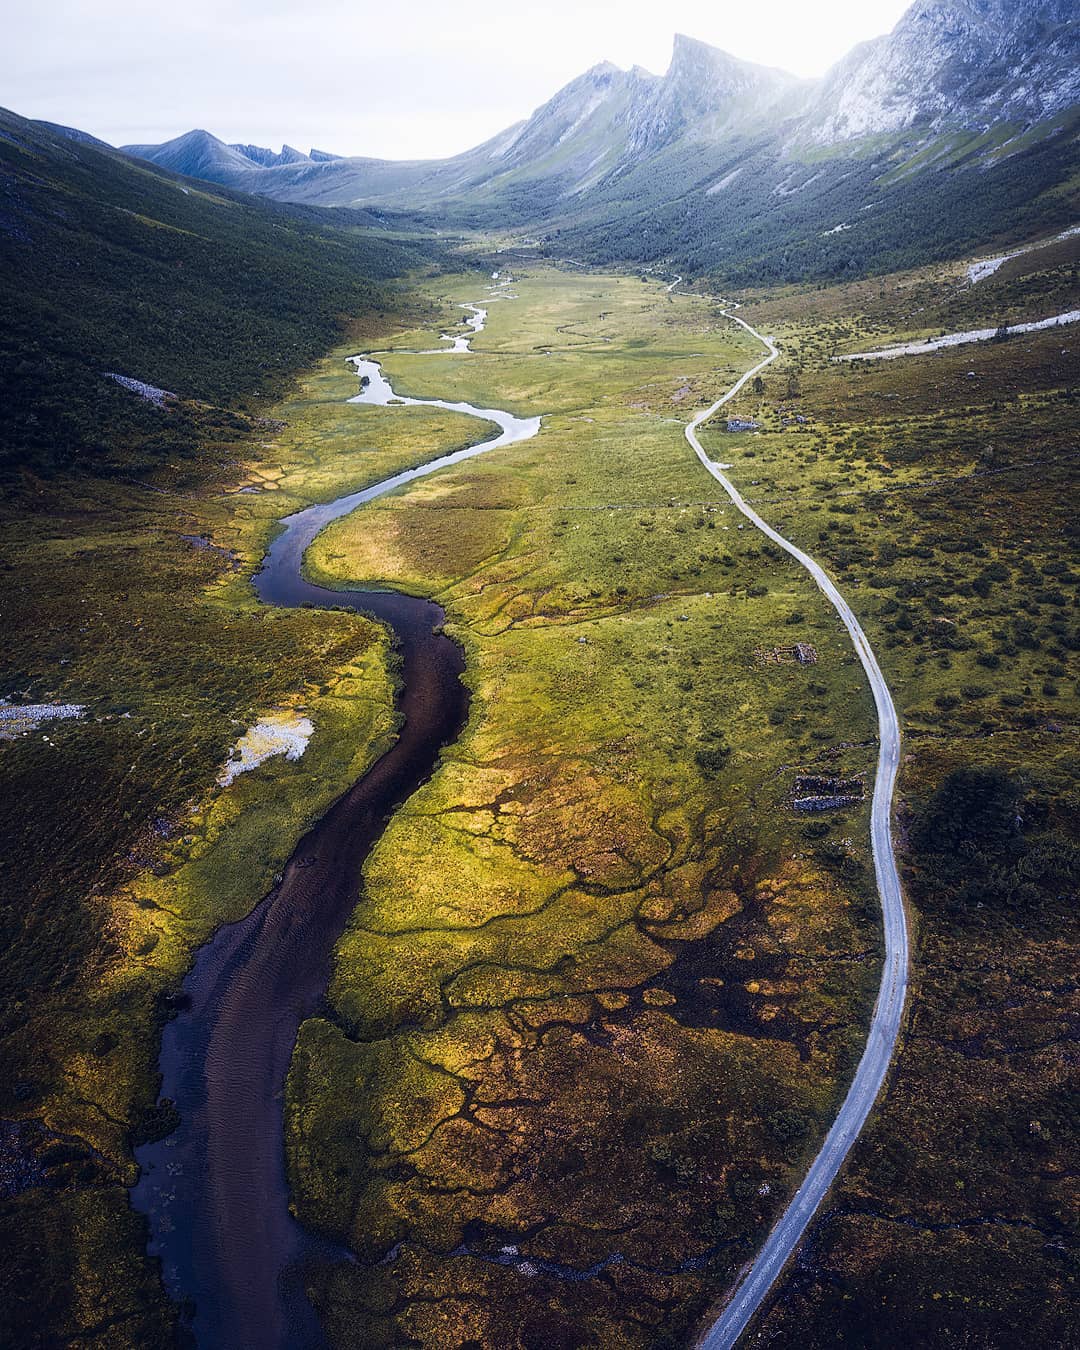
(749, 216)
(109, 265)
(122, 539)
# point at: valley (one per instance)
(225, 1244)
(504, 598)
(518, 969)
(538, 719)
(647, 910)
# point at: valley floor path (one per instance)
(782, 1241)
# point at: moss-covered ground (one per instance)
(603, 987)
(121, 853)
(941, 491)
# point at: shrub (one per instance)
(711, 759)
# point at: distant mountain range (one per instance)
(200, 155)
(949, 65)
(721, 164)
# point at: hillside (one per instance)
(109, 266)
(958, 126)
(122, 601)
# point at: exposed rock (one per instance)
(276, 733)
(150, 392)
(953, 63)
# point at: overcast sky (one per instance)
(415, 79)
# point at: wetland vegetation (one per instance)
(603, 987)
(942, 488)
(941, 500)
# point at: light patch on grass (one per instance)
(277, 733)
(16, 719)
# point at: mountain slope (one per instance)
(708, 95)
(953, 63)
(110, 266)
(958, 126)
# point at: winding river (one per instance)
(215, 1192)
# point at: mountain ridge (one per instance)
(956, 65)
(940, 47)
(720, 162)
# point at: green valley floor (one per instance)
(605, 983)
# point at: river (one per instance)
(215, 1191)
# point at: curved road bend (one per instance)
(889, 1008)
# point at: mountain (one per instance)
(948, 64)
(198, 154)
(707, 95)
(954, 64)
(596, 126)
(609, 118)
(895, 157)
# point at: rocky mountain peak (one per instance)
(259, 154)
(199, 155)
(954, 63)
(705, 91)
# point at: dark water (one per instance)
(215, 1191)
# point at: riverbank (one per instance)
(163, 643)
(215, 1189)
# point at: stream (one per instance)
(215, 1191)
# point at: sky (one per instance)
(418, 79)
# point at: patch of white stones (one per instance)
(16, 719)
(959, 339)
(986, 267)
(150, 392)
(285, 732)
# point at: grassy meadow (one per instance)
(604, 986)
